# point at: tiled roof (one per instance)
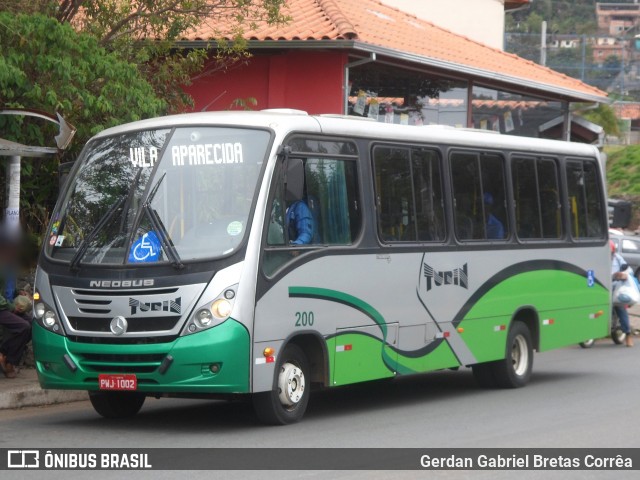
(627, 110)
(374, 26)
(511, 4)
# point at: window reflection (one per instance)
(512, 113)
(391, 95)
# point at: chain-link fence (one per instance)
(608, 63)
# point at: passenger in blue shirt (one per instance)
(495, 229)
(299, 223)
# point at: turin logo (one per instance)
(457, 276)
(172, 306)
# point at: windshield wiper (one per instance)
(158, 226)
(130, 199)
(165, 240)
(82, 248)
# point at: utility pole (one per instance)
(12, 211)
(584, 55)
(543, 43)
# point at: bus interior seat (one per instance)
(464, 227)
(295, 180)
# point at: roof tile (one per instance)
(377, 24)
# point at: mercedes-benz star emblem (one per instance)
(118, 325)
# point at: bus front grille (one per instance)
(112, 340)
(121, 363)
(143, 324)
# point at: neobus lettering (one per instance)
(122, 283)
(207, 154)
(140, 159)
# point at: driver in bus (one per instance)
(299, 217)
(300, 223)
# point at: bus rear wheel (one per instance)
(515, 369)
(287, 401)
(116, 404)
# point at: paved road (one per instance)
(576, 398)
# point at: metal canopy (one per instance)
(66, 133)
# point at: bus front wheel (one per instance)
(116, 404)
(287, 401)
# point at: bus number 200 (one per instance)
(304, 319)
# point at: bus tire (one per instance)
(116, 404)
(287, 401)
(514, 370)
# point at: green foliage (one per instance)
(105, 62)
(48, 66)
(605, 116)
(248, 103)
(562, 16)
(623, 172)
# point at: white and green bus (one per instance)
(174, 265)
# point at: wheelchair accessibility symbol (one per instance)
(591, 278)
(146, 249)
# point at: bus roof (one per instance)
(342, 125)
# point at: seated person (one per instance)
(299, 219)
(494, 227)
(16, 335)
(299, 223)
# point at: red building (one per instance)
(361, 57)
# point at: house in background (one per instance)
(616, 19)
(365, 58)
(463, 16)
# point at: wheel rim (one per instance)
(291, 385)
(520, 355)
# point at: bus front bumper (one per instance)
(209, 362)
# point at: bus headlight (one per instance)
(47, 317)
(204, 317)
(221, 308)
(212, 313)
(39, 309)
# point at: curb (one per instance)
(25, 391)
(34, 396)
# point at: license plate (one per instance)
(117, 382)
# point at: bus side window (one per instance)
(329, 192)
(332, 197)
(393, 193)
(408, 194)
(537, 203)
(587, 213)
(480, 211)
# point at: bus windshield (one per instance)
(166, 195)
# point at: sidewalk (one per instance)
(24, 391)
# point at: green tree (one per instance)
(605, 116)
(144, 33)
(48, 66)
(105, 62)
